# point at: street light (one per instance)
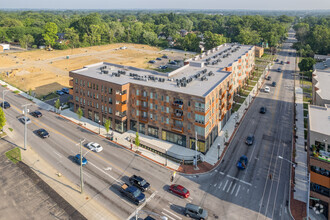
(293, 164)
(25, 111)
(99, 126)
(3, 98)
(165, 157)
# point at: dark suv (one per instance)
(42, 133)
(249, 140)
(263, 110)
(5, 105)
(139, 182)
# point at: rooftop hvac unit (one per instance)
(178, 84)
(105, 71)
(130, 74)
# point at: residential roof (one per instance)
(322, 76)
(325, 65)
(319, 119)
(321, 57)
(193, 81)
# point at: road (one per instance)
(225, 192)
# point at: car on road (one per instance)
(133, 194)
(249, 140)
(42, 133)
(242, 162)
(195, 211)
(268, 77)
(288, 62)
(59, 92)
(165, 57)
(139, 182)
(179, 190)
(158, 58)
(152, 61)
(279, 70)
(263, 110)
(289, 53)
(77, 160)
(267, 89)
(276, 60)
(94, 147)
(282, 62)
(25, 120)
(5, 105)
(36, 114)
(65, 90)
(274, 84)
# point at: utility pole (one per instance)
(196, 150)
(81, 168)
(25, 111)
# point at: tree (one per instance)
(26, 41)
(2, 119)
(107, 126)
(149, 38)
(306, 64)
(72, 36)
(57, 104)
(137, 140)
(212, 40)
(247, 36)
(49, 35)
(79, 113)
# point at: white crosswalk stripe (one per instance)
(171, 213)
(233, 189)
(229, 186)
(225, 185)
(237, 190)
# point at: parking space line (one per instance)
(233, 189)
(168, 216)
(231, 183)
(220, 185)
(172, 213)
(239, 186)
(225, 185)
(215, 185)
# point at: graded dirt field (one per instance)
(46, 71)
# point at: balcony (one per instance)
(121, 114)
(177, 104)
(230, 87)
(222, 106)
(177, 116)
(71, 82)
(121, 97)
(178, 129)
(229, 97)
(143, 119)
(121, 107)
(143, 108)
(143, 98)
(321, 155)
(223, 94)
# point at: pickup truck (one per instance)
(242, 163)
(133, 194)
(139, 182)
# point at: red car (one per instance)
(288, 62)
(179, 190)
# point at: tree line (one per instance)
(81, 29)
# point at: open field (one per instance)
(45, 71)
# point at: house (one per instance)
(259, 52)
(319, 57)
(183, 32)
(162, 36)
(4, 47)
(61, 38)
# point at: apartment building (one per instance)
(319, 158)
(321, 82)
(259, 51)
(196, 98)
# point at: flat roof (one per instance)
(319, 119)
(193, 79)
(322, 76)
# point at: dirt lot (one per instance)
(46, 71)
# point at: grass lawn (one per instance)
(235, 107)
(16, 92)
(14, 155)
(239, 99)
(244, 93)
(305, 99)
(251, 83)
(50, 96)
(305, 122)
(305, 113)
(308, 90)
(306, 82)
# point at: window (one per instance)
(137, 112)
(117, 92)
(152, 131)
(77, 98)
(189, 126)
(87, 93)
(84, 102)
(188, 103)
(156, 117)
(167, 98)
(199, 119)
(162, 108)
(156, 96)
(156, 107)
(145, 94)
(137, 92)
(162, 98)
(101, 88)
(110, 100)
(162, 119)
(97, 96)
(101, 98)
(151, 95)
(97, 87)
(76, 81)
(189, 114)
(200, 130)
(137, 102)
(105, 109)
(167, 120)
(97, 105)
(110, 110)
(167, 110)
(150, 116)
(102, 108)
(93, 86)
(110, 90)
(151, 105)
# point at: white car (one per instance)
(267, 89)
(95, 147)
(25, 120)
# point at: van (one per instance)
(194, 211)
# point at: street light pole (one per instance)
(3, 98)
(81, 168)
(99, 127)
(287, 161)
(25, 123)
(165, 157)
(196, 150)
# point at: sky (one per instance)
(167, 4)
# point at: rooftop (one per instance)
(322, 76)
(319, 119)
(325, 65)
(194, 79)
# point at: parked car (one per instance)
(263, 110)
(25, 120)
(133, 194)
(179, 190)
(289, 53)
(195, 211)
(274, 84)
(279, 70)
(165, 57)
(267, 89)
(276, 60)
(94, 147)
(59, 92)
(5, 105)
(173, 63)
(36, 114)
(163, 67)
(77, 160)
(158, 58)
(139, 182)
(242, 162)
(42, 133)
(288, 62)
(65, 90)
(268, 78)
(282, 62)
(152, 61)
(249, 140)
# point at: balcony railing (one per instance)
(177, 116)
(143, 119)
(177, 105)
(143, 108)
(121, 97)
(177, 128)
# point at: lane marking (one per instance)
(58, 154)
(141, 206)
(168, 216)
(225, 185)
(120, 182)
(108, 168)
(242, 181)
(221, 173)
(233, 189)
(215, 185)
(220, 185)
(229, 186)
(85, 174)
(172, 213)
(239, 186)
